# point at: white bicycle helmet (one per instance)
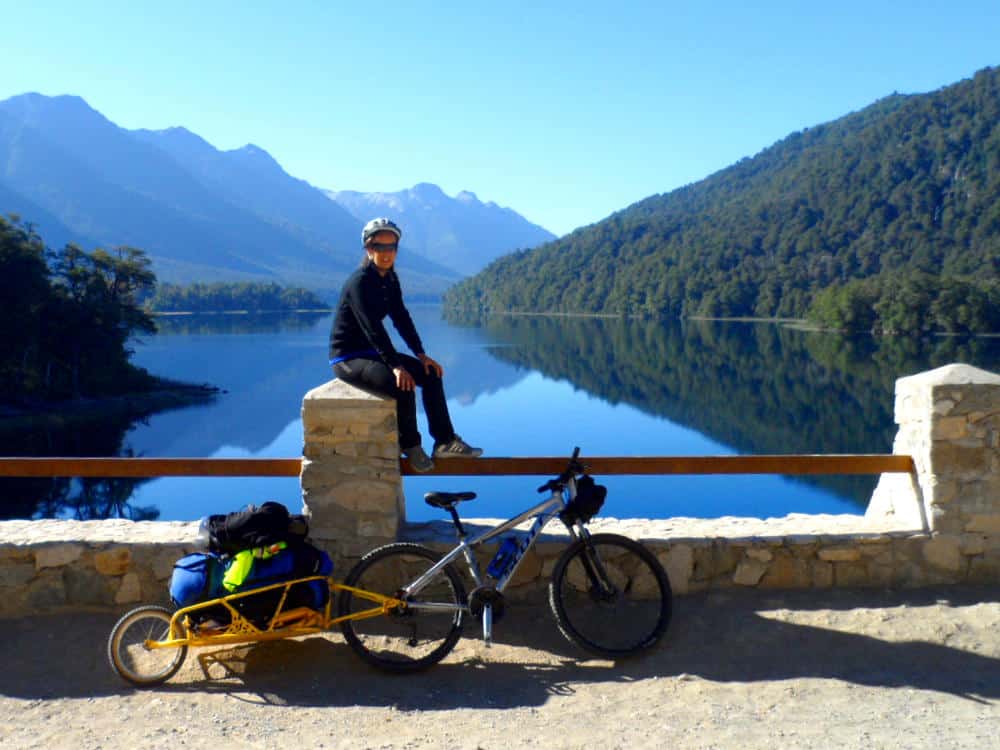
(381, 224)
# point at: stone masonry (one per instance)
(54, 565)
(351, 484)
(949, 422)
(939, 525)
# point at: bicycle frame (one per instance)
(543, 513)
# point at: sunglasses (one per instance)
(384, 247)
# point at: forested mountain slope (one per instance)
(910, 184)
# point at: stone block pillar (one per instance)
(949, 421)
(351, 486)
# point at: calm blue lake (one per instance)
(533, 386)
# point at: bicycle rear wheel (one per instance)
(610, 595)
(413, 638)
(130, 656)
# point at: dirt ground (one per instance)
(747, 669)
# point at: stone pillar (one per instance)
(351, 486)
(949, 421)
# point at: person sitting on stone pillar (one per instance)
(362, 353)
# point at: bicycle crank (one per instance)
(483, 595)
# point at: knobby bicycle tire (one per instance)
(630, 615)
(408, 640)
(130, 658)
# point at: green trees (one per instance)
(910, 303)
(65, 323)
(24, 289)
(908, 185)
(224, 296)
(848, 307)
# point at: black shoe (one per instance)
(420, 462)
(456, 448)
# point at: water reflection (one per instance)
(757, 388)
(520, 386)
(62, 497)
(236, 323)
(266, 367)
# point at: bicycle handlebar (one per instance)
(573, 468)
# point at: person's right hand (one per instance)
(404, 381)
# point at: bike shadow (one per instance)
(735, 637)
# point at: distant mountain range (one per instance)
(208, 215)
(461, 233)
(909, 185)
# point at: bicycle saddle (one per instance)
(446, 499)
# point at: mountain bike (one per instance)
(609, 594)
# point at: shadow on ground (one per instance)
(736, 636)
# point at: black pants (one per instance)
(373, 375)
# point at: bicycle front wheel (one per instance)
(129, 649)
(412, 638)
(610, 595)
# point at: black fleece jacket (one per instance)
(357, 328)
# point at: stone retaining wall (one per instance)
(941, 525)
(51, 565)
(47, 565)
(794, 552)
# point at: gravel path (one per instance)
(844, 669)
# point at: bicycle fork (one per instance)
(600, 581)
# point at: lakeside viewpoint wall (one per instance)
(938, 525)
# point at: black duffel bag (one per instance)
(256, 526)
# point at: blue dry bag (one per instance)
(298, 561)
(196, 578)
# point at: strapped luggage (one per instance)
(298, 561)
(199, 576)
(256, 526)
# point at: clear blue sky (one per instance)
(563, 111)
